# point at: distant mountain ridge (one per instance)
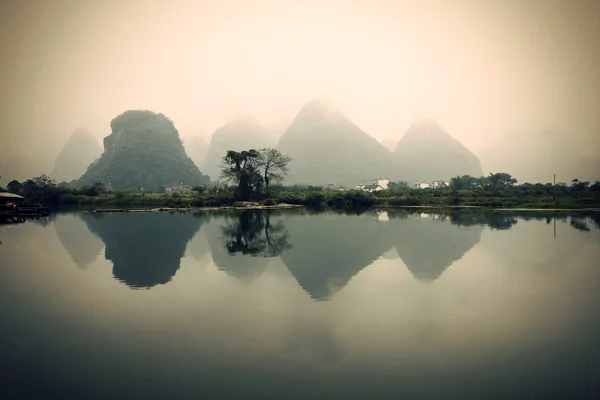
(325, 146)
(238, 134)
(79, 151)
(427, 152)
(197, 149)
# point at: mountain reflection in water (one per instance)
(145, 248)
(321, 250)
(300, 304)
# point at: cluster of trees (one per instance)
(258, 175)
(503, 184)
(252, 170)
(45, 189)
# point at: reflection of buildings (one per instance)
(145, 248)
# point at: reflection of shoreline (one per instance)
(323, 250)
(327, 248)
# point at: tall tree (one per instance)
(595, 189)
(274, 165)
(243, 169)
(501, 180)
(579, 187)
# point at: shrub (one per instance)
(352, 199)
(404, 201)
(291, 198)
(213, 200)
(69, 199)
(314, 199)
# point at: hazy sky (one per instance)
(487, 70)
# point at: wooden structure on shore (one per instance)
(15, 205)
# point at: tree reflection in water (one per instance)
(252, 233)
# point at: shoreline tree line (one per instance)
(258, 175)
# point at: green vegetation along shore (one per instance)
(494, 191)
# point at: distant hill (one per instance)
(275, 129)
(196, 149)
(427, 152)
(80, 150)
(143, 150)
(389, 143)
(325, 146)
(539, 157)
(239, 134)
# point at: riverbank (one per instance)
(425, 209)
(333, 199)
(482, 208)
(253, 206)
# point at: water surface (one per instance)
(300, 305)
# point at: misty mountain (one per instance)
(277, 128)
(325, 146)
(196, 149)
(143, 150)
(77, 154)
(239, 134)
(426, 152)
(539, 157)
(389, 143)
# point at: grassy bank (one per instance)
(331, 199)
(497, 191)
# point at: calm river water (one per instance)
(300, 305)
